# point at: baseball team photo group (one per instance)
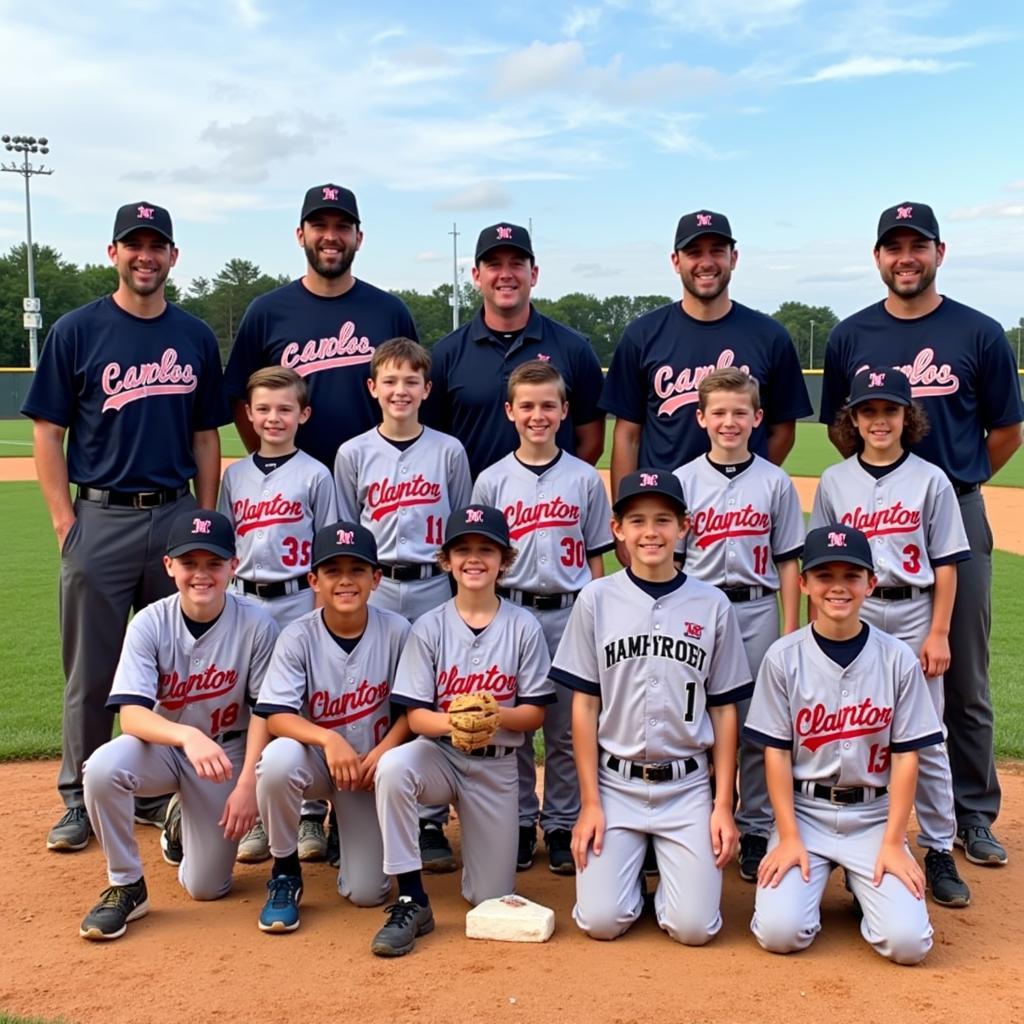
(480, 626)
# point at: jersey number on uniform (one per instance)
(223, 718)
(760, 559)
(878, 759)
(575, 552)
(691, 697)
(435, 530)
(297, 552)
(912, 554)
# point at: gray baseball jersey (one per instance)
(656, 663)
(276, 514)
(209, 683)
(740, 525)
(842, 724)
(556, 519)
(311, 675)
(444, 657)
(402, 497)
(911, 517)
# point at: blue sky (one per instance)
(599, 122)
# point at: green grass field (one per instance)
(31, 682)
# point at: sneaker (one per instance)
(254, 846)
(170, 838)
(117, 906)
(406, 920)
(152, 810)
(71, 832)
(948, 888)
(526, 848)
(435, 851)
(559, 844)
(312, 840)
(333, 842)
(281, 911)
(979, 844)
(752, 851)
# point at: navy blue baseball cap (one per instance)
(201, 529)
(702, 222)
(837, 543)
(917, 217)
(498, 236)
(482, 520)
(881, 382)
(344, 538)
(329, 197)
(649, 481)
(142, 216)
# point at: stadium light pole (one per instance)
(455, 275)
(811, 367)
(26, 144)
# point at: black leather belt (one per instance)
(962, 489)
(839, 794)
(657, 771)
(542, 602)
(140, 499)
(227, 737)
(489, 751)
(276, 589)
(898, 593)
(740, 594)
(407, 573)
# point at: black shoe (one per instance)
(152, 810)
(435, 852)
(981, 846)
(333, 842)
(948, 888)
(71, 832)
(117, 906)
(650, 868)
(527, 846)
(170, 838)
(559, 844)
(752, 851)
(406, 921)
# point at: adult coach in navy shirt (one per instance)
(472, 365)
(325, 326)
(663, 356)
(963, 372)
(136, 385)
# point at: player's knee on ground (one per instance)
(905, 942)
(366, 892)
(782, 931)
(605, 920)
(684, 925)
(204, 889)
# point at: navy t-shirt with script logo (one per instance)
(961, 369)
(131, 392)
(330, 342)
(665, 354)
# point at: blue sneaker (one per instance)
(281, 911)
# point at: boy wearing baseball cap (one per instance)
(841, 709)
(474, 644)
(190, 669)
(656, 665)
(327, 697)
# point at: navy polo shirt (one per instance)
(961, 369)
(470, 373)
(329, 342)
(131, 393)
(665, 354)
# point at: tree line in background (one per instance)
(221, 301)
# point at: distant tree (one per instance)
(796, 317)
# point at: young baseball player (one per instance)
(656, 665)
(326, 696)
(746, 534)
(276, 499)
(474, 642)
(558, 518)
(907, 509)
(842, 709)
(191, 666)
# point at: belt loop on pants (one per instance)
(279, 588)
(132, 499)
(839, 795)
(539, 602)
(651, 771)
(740, 594)
(899, 593)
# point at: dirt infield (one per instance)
(202, 962)
(1005, 505)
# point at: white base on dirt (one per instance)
(510, 919)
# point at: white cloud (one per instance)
(486, 195)
(538, 66)
(249, 13)
(727, 19)
(581, 19)
(430, 256)
(1004, 210)
(873, 67)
